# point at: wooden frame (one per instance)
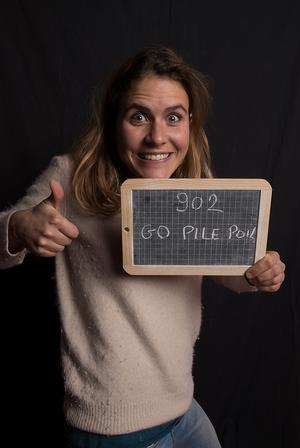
(191, 184)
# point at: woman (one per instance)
(127, 342)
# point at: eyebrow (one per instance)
(145, 108)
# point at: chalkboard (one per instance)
(194, 226)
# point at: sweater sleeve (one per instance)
(38, 192)
(235, 283)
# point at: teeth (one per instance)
(154, 156)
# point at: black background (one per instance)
(247, 361)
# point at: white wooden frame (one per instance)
(191, 184)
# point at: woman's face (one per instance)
(153, 128)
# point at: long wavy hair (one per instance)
(98, 170)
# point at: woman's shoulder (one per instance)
(61, 166)
(64, 162)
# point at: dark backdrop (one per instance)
(247, 368)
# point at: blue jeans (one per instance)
(192, 430)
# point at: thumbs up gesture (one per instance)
(43, 230)
(57, 194)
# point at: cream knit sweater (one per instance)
(127, 341)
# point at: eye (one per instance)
(174, 118)
(138, 118)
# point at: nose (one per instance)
(157, 134)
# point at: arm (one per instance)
(265, 275)
(42, 229)
(23, 227)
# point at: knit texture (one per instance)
(127, 341)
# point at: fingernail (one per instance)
(249, 275)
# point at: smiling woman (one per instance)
(153, 130)
(127, 343)
(149, 122)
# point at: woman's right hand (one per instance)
(42, 230)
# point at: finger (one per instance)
(57, 237)
(40, 252)
(46, 253)
(266, 263)
(45, 245)
(65, 226)
(57, 194)
(271, 288)
(62, 239)
(278, 279)
(270, 274)
(68, 228)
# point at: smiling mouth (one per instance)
(149, 156)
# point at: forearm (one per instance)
(15, 244)
(237, 284)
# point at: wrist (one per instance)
(14, 241)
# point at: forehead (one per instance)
(156, 90)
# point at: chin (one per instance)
(155, 174)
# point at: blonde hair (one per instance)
(98, 171)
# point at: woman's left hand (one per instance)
(267, 274)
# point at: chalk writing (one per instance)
(199, 233)
(196, 203)
(161, 231)
(193, 227)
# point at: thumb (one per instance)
(57, 194)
